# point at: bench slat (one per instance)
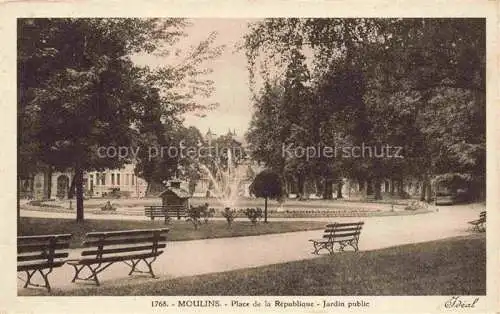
(345, 224)
(332, 230)
(40, 238)
(123, 249)
(42, 256)
(45, 265)
(119, 258)
(126, 232)
(26, 248)
(342, 235)
(124, 241)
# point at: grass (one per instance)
(179, 230)
(455, 266)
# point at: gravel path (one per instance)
(188, 258)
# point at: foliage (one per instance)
(418, 84)
(254, 214)
(208, 213)
(79, 89)
(197, 213)
(230, 215)
(267, 184)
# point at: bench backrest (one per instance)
(42, 249)
(344, 230)
(162, 209)
(112, 243)
(171, 210)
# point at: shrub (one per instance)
(253, 214)
(194, 215)
(207, 212)
(229, 214)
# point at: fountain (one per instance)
(225, 182)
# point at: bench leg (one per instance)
(29, 276)
(352, 243)
(93, 272)
(133, 266)
(318, 246)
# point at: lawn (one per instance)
(455, 266)
(179, 230)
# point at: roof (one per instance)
(180, 193)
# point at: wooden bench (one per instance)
(129, 246)
(167, 212)
(41, 254)
(479, 224)
(345, 234)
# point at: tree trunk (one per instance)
(327, 189)
(423, 190)
(400, 188)
(18, 199)
(378, 194)
(265, 210)
(49, 183)
(392, 187)
(79, 193)
(71, 191)
(340, 184)
(301, 183)
(429, 190)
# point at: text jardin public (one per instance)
(287, 151)
(261, 303)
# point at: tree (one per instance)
(414, 83)
(80, 90)
(267, 184)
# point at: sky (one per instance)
(230, 76)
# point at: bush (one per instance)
(207, 213)
(195, 214)
(253, 214)
(229, 214)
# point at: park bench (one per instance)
(479, 224)
(167, 212)
(41, 254)
(129, 246)
(345, 234)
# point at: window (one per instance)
(127, 179)
(103, 179)
(112, 179)
(97, 179)
(117, 179)
(91, 180)
(133, 177)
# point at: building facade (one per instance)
(111, 182)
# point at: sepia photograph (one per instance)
(303, 162)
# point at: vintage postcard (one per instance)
(292, 157)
